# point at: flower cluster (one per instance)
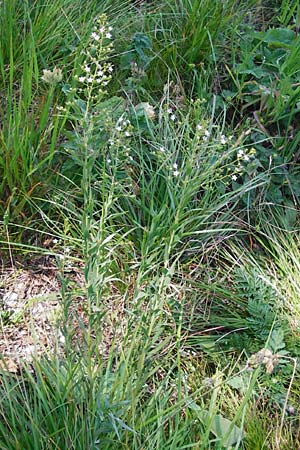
(52, 76)
(96, 71)
(118, 148)
(244, 158)
(145, 109)
(122, 129)
(175, 171)
(171, 113)
(264, 357)
(203, 133)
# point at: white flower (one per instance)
(170, 110)
(98, 80)
(110, 69)
(207, 133)
(110, 28)
(162, 150)
(175, 173)
(240, 153)
(199, 127)
(81, 79)
(102, 29)
(118, 128)
(223, 139)
(55, 241)
(89, 80)
(67, 250)
(175, 166)
(127, 134)
(246, 158)
(108, 35)
(87, 69)
(95, 36)
(173, 117)
(100, 73)
(234, 177)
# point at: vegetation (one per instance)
(154, 147)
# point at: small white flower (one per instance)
(87, 69)
(109, 161)
(95, 36)
(118, 128)
(98, 80)
(111, 142)
(67, 250)
(162, 150)
(207, 133)
(205, 138)
(110, 69)
(102, 29)
(175, 173)
(240, 153)
(81, 79)
(89, 80)
(127, 134)
(55, 241)
(223, 139)
(175, 166)
(170, 110)
(173, 117)
(246, 158)
(110, 28)
(234, 177)
(100, 73)
(199, 127)
(108, 35)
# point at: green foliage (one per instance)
(117, 143)
(138, 53)
(263, 85)
(220, 427)
(266, 75)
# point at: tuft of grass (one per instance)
(185, 330)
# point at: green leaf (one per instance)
(279, 37)
(276, 342)
(220, 426)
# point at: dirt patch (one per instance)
(30, 311)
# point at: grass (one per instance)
(143, 168)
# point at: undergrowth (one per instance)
(153, 146)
